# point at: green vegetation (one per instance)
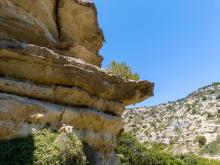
(191, 159)
(194, 111)
(204, 98)
(216, 83)
(123, 70)
(218, 97)
(201, 140)
(44, 147)
(132, 152)
(213, 148)
(218, 113)
(48, 147)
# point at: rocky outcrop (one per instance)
(50, 75)
(66, 26)
(42, 65)
(59, 94)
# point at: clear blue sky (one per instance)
(174, 43)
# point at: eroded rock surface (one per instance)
(42, 65)
(67, 26)
(50, 75)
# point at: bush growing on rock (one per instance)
(201, 140)
(44, 147)
(212, 148)
(123, 70)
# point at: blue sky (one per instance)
(174, 43)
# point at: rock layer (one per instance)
(50, 75)
(19, 19)
(67, 26)
(42, 65)
(59, 94)
(20, 116)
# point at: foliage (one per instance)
(156, 145)
(191, 159)
(210, 115)
(213, 148)
(132, 152)
(201, 140)
(216, 83)
(218, 96)
(123, 70)
(44, 147)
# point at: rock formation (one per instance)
(50, 74)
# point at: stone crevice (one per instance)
(57, 18)
(61, 116)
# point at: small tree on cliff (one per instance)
(123, 70)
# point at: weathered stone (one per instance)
(77, 21)
(42, 65)
(58, 94)
(67, 26)
(21, 21)
(21, 117)
(80, 52)
(50, 75)
(41, 10)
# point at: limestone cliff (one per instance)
(50, 74)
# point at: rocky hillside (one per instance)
(187, 125)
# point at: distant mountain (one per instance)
(189, 125)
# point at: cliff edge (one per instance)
(50, 75)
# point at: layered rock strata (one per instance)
(67, 26)
(50, 75)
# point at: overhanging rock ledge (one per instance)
(50, 75)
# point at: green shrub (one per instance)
(218, 96)
(204, 98)
(156, 145)
(211, 91)
(191, 159)
(213, 148)
(210, 115)
(123, 70)
(201, 140)
(194, 111)
(133, 152)
(216, 83)
(44, 147)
